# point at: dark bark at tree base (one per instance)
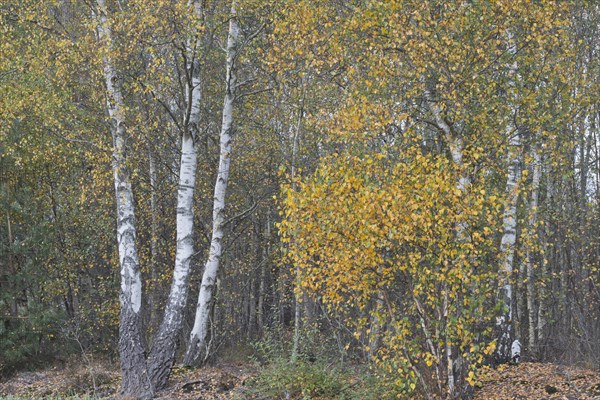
(195, 355)
(135, 379)
(162, 358)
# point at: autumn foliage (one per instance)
(407, 185)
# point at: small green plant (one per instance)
(282, 379)
(318, 372)
(301, 379)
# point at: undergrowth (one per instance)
(318, 372)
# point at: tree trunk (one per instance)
(448, 345)
(455, 144)
(135, 380)
(162, 357)
(263, 275)
(535, 185)
(297, 296)
(507, 244)
(14, 308)
(549, 251)
(260, 319)
(197, 350)
(504, 320)
(154, 262)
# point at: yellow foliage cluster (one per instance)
(376, 235)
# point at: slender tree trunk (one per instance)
(135, 379)
(448, 345)
(14, 308)
(263, 276)
(297, 296)
(456, 149)
(548, 251)
(376, 327)
(585, 147)
(562, 294)
(198, 350)
(70, 301)
(255, 280)
(162, 357)
(454, 142)
(154, 264)
(535, 186)
(251, 308)
(507, 250)
(504, 320)
(260, 318)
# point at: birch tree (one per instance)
(198, 347)
(162, 356)
(529, 257)
(507, 249)
(455, 144)
(135, 379)
(509, 220)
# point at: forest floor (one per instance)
(229, 382)
(539, 381)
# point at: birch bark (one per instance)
(162, 356)
(297, 296)
(548, 254)
(456, 149)
(198, 350)
(164, 346)
(509, 236)
(533, 205)
(504, 321)
(135, 380)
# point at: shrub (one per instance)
(301, 379)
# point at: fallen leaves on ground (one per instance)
(99, 377)
(529, 381)
(525, 381)
(101, 380)
(225, 382)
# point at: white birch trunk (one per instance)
(135, 379)
(297, 303)
(162, 356)
(429, 341)
(454, 142)
(456, 149)
(533, 205)
(198, 350)
(507, 250)
(504, 321)
(546, 249)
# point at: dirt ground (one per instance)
(102, 381)
(229, 382)
(539, 381)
